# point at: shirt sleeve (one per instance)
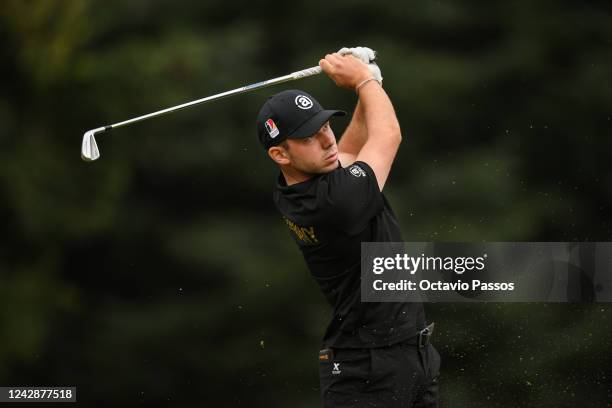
(353, 197)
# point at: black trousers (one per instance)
(399, 376)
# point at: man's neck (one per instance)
(295, 177)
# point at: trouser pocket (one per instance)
(432, 361)
(429, 390)
(343, 373)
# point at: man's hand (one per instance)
(346, 71)
(367, 56)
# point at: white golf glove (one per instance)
(368, 56)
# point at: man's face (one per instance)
(316, 154)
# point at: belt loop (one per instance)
(425, 335)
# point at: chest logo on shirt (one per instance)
(305, 235)
(357, 171)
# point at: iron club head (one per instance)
(89, 148)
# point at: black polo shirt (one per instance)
(329, 216)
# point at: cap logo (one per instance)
(303, 102)
(271, 128)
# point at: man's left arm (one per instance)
(353, 139)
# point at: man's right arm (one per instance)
(384, 135)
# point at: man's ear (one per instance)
(279, 155)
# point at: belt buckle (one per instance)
(425, 335)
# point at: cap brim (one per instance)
(312, 125)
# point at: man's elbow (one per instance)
(389, 135)
(396, 134)
(392, 137)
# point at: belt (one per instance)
(421, 339)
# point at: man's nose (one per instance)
(327, 139)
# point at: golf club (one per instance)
(89, 147)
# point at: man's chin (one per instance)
(329, 167)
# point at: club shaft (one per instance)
(293, 76)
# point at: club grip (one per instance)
(306, 72)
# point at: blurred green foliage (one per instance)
(161, 274)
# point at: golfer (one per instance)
(330, 196)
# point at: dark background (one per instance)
(161, 275)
